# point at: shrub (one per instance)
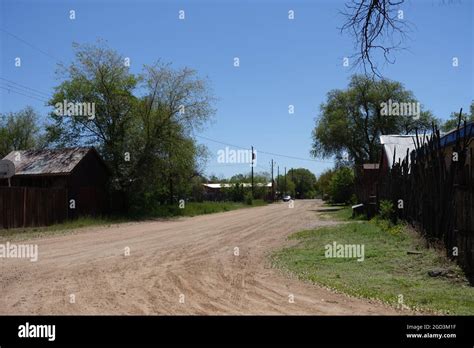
(248, 199)
(237, 192)
(322, 184)
(341, 186)
(386, 210)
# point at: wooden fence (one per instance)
(436, 190)
(31, 206)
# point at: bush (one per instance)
(322, 184)
(386, 210)
(309, 195)
(341, 186)
(387, 225)
(248, 199)
(237, 193)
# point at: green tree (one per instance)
(452, 122)
(305, 182)
(287, 187)
(341, 186)
(97, 76)
(213, 179)
(142, 123)
(239, 178)
(323, 182)
(259, 191)
(259, 177)
(352, 120)
(20, 131)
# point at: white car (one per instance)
(286, 198)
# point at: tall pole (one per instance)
(278, 178)
(293, 179)
(285, 180)
(170, 167)
(273, 188)
(252, 171)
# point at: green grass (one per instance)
(387, 270)
(337, 212)
(163, 211)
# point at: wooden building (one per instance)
(79, 171)
(398, 148)
(466, 136)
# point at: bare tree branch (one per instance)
(376, 28)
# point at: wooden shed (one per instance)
(77, 173)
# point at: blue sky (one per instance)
(282, 61)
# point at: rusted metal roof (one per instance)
(47, 162)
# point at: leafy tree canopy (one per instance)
(20, 131)
(351, 120)
(304, 181)
(453, 120)
(142, 123)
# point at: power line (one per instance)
(213, 140)
(26, 87)
(221, 142)
(22, 90)
(233, 165)
(42, 95)
(26, 95)
(31, 45)
(264, 152)
(294, 157)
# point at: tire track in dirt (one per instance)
(193, 257)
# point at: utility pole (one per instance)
(170, 174)
(293, 179)
(285, 180)
(253, 158)
(278, 178)
(273, 188)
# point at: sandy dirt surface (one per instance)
(190, 260)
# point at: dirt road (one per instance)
(184, 266)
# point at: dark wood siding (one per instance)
(30, 206)
(87, 185)
(38, 200)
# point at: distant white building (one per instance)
(228, 185)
